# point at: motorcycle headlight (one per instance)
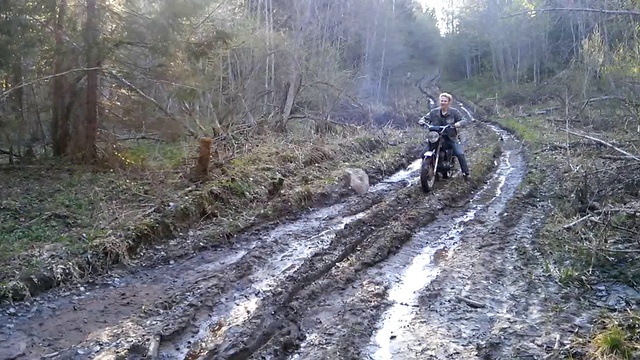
(433, 136)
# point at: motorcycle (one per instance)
(439, 160)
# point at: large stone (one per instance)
(355, 179)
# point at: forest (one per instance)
(192, 68)
(127, 123)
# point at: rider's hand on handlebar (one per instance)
(422, 121)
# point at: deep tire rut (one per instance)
(338, 316)
(360, 245)
(250, 298)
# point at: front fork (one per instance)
(436, 158)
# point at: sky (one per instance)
(431, 3)
(437, 5)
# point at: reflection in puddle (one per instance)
(490, 201)
(241, 304)
(402, 175)
(265, 280)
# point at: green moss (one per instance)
(156, 155)
(480, 87)
(530, 130)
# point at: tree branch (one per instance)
(5, 152)
(190, 131)
(356, 102)
(634, 157)
(603, 98)
(574, 223)
(601, 11)
(139, 137)
(44, 78)
(620, 210)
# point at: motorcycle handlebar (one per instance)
(437, 128)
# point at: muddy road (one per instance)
(392, 274)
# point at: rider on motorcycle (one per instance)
(446, 115)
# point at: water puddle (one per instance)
(417, 263)
(408, 175)
(239, 304)
(487, 205)
(298, 241)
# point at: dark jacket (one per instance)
(435, 117)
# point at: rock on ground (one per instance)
(356, 179)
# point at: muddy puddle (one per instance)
(117, 311)
(430, 247)
(406, 273)
(237, 301)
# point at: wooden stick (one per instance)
(472, 303)
(634, 157)
(572, 224)
(610, 12)
(154, 347)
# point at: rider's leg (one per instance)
(459, 153)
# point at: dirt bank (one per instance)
(44, 244)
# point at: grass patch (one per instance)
(476, 89)
(529, 130)
(612, 341)
(617, 337)
(50, 207)
(157, 155)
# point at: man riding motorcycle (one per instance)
(446, 115)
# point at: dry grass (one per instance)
(52, 214)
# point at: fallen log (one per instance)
(472, 303)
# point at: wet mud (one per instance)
(373, 324)
(392, 274)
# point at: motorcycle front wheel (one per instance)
(427, 175)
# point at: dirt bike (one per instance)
(439, 160)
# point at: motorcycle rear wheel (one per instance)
(446, 174)
(449, 173)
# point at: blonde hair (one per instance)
(447, 95)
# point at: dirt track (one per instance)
(392, 274)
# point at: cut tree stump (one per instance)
(201, 170)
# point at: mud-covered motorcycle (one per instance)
(439, 158)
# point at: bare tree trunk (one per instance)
(91, 120)
(518, 61)
(573, 36)
(467, 62)
(60, 132)
(19, 102)
(294, 88)
(383, 57)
